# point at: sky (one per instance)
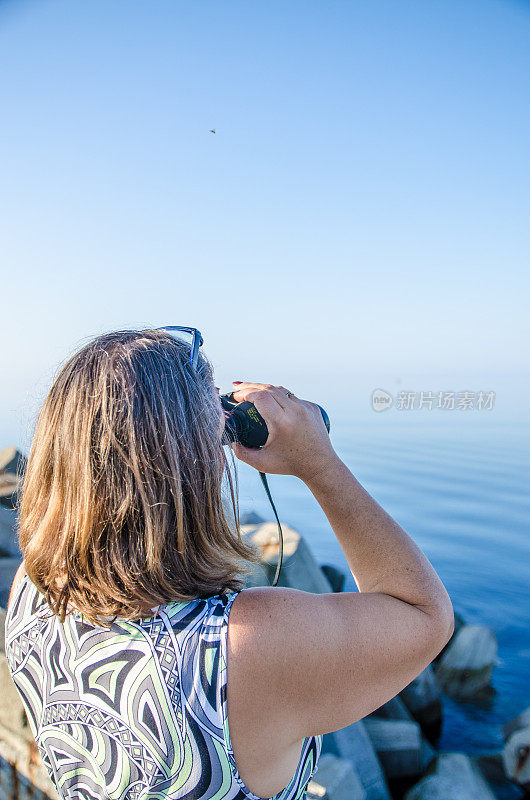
(358, 219)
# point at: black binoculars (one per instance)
(245, 425)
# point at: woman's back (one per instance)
(136, 710)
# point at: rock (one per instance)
(454, 777)
(8, 568)
(8, 533)
(12, 714)
(422, 698)
(258, 577)
(427, 753)
(398, 745)
(516, 757)
(335, 576)
(2, 631)
(466, 666)
(492, 767)
(459, 623)
(516, 752)
(353, 743)
(12, 466)
(395, 709)
(22, 773)
(12, 460)
(335, 779)
(250, 518)
(521, 721)
(299, 567)
(9, 486)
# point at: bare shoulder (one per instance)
(314, 663)
(263, 625)
(264, 619)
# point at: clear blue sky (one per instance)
(367, 186)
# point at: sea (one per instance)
(457, 481)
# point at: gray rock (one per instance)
(353, 743)
(335, 779)
(12, 714)
(12, 460)
(9, 486)
(516, 757)
(250, 518)
(12, 466)
(491, 766)
(516, 752)
(2, 631)
(454, 777)
(335, 576)
(8, 533)
(521, 721)
(22, 773)
(398, 743)
(258, 577)
(427, 753)
(394, 708)
(466, 666)
(299, 567)
(459, 623)
(422, 698)
(8, 568)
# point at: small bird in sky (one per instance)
(212, 131)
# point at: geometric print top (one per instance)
(137, 711)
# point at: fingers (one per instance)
(249, 456)
(290, 395)
(279, 393)
(266, 404)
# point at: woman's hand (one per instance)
(298, 442)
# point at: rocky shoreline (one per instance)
(389, 755)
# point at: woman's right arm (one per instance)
(331, 659)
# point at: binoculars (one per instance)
(245, 425)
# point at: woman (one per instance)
(145, 670)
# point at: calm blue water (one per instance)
(458, 484)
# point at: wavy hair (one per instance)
(122, 501)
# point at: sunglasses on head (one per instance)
(196, 339)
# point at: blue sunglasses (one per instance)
(196, 341)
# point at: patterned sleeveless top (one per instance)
(136, 711)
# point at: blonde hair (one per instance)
(122, 501)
